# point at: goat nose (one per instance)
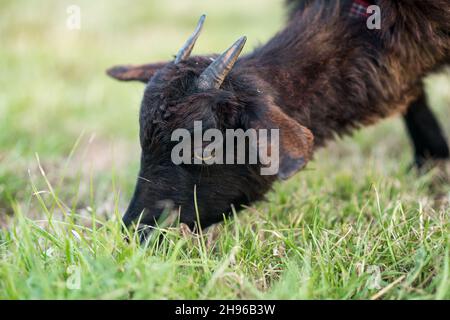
(126, 220)
(132, 214)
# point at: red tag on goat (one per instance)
(359, 9)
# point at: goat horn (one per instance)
(214, 75)
(186, 50)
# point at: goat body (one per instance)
(332, 74)
(324, 74)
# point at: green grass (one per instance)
(357, 224)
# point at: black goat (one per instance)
(324, 75)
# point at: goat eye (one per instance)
(203, 154)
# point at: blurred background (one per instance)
(59, 110)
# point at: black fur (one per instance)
(322, 76)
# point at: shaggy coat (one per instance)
(324, 75)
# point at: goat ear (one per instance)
(295, 141)
(141, 73)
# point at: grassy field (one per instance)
(357, 224)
